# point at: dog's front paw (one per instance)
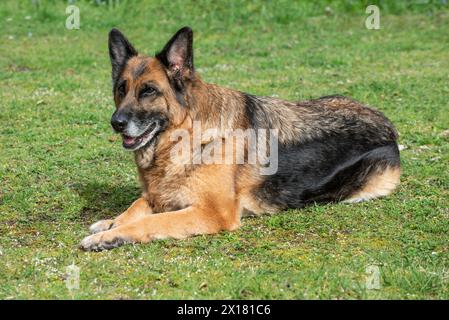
(102, 225)
(101, 241)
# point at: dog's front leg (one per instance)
(140, 208)
(175, 224)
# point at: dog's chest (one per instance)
(166, 186)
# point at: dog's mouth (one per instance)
(134, 143)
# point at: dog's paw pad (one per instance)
(102, 225)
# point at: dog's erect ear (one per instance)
(177, 55)
(120, 51)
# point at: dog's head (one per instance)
(149, 92)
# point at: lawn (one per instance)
(62, 167)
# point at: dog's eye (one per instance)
(122, 89)
(147, 92)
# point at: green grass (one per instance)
(62, 168)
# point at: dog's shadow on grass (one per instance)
(102, 201)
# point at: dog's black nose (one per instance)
(119, 121)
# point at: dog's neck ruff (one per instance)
(145, 156)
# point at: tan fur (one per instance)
(137, 210)
(380, 184)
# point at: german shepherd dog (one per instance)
(329, 149)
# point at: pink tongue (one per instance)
(129, 140)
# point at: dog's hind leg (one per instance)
(139, 209)
(380, 184)
(383, 178)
